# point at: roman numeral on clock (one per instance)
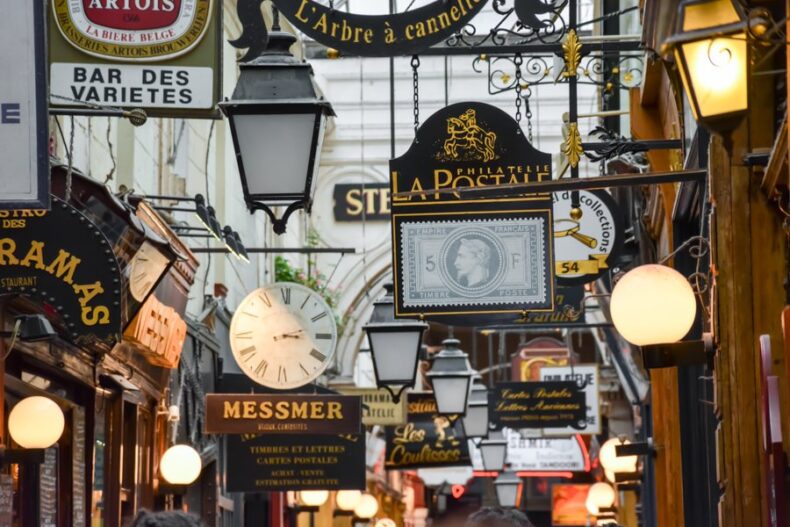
(304, 369)
(260, 369)
(323, 336)
(317, 355)
(265, 299)
(319, 316)
(281, 376)
(286, 292)
(247, 352)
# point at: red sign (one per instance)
(132, 14)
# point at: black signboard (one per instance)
(276, 463)
(427, 439)
(358, 202)
(62, 260)
(385, 35)
(567, 309)
(471, 261)
(544, 404)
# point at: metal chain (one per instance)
(518, 61)
(529, 115)
(415, 64)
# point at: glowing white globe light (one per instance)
(313, 498)
(367, 507)
(36, 422)
(347, 500)
(610, 461)
(180, 465)
(653, 304)
(600, 496)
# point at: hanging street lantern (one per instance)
(493, 450)
(394, 346)
(277, 122)
(180, 465)
(451, 377)
(711, 48)
(476, 419)
(508, 489)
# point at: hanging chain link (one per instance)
(518, 61)
(528, 114)
(415, 64)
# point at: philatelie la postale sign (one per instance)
(282, 414)
(544, 404)
(455, 257)
(159, 55)
(23, 106)
(378, 408)
(586, 246)
(272, 463)
(388, 35)
(427, 439)
(358, 202)
(60, 259)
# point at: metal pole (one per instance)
(276, 250)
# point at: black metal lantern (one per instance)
(476, 419)
(711, 48)
(394, 346)
(508, 489)
(277, 123)
(493, 450)
(451, 378)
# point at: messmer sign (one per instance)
(23, 106)
(282, 414)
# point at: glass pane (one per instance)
(717, 71)
(450, 394)
(275, 151)
(395, 354)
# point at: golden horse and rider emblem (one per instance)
(467, 140)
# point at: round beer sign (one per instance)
(133, 30)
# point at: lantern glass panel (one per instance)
(709, 14)
(476, 420)
(451, 393)
(276, 151)
(493, 455)
(394, 353)
(507, 494)
(715, 72)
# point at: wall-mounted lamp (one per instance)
(179, 466)
(346, 502)
(600, 498)
(310, 501)
(366, 509)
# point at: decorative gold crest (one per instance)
(467, 140)
(572, 52)
(572, 147)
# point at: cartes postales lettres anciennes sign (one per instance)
(461, 260)
(282, 414)
(389, 35)
(544, 404)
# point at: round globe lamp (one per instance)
(347, 500)
(313, 498)
(653, 304)
(613, 463)
(367, 507)
(600, 496)
(180, 465)
(36, 422)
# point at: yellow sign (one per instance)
(378, 408)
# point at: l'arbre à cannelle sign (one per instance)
(463, 260)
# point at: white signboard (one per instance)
(122, 85)
(581, 373)
(24, 154)
(560, 454)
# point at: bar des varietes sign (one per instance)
(282, 414)
(540, 404)
(468, 261)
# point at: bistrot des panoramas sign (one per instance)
(159, 55)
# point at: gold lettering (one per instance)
(352, 198)
(266, 410)
(62, 269)
(384, 201)
(34, 254)
(231, 410)
(88, 291)
(299, 11)
(299, 410)
(249, 409)
(455, 14)
(334, 411)
(438, 183)
(281, 410)
(317, 410)
(95, 315)
(409, 35)
(7, 248)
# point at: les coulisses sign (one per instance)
(61, 260)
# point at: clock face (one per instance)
(145, 269)
(283, 335)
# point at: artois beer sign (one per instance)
(133, 30)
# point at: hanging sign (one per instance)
(61, 260)
(586, 375)
(159, 55)
(532, 456)
(159, 332)
(544, 404)
(456, 260)
(427, 439)
(277, 463)
(585, 245)
(567, 303)
(389, 35)
(24, 130)
(282, 414)
(378, 408)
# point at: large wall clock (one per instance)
(283, 335)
